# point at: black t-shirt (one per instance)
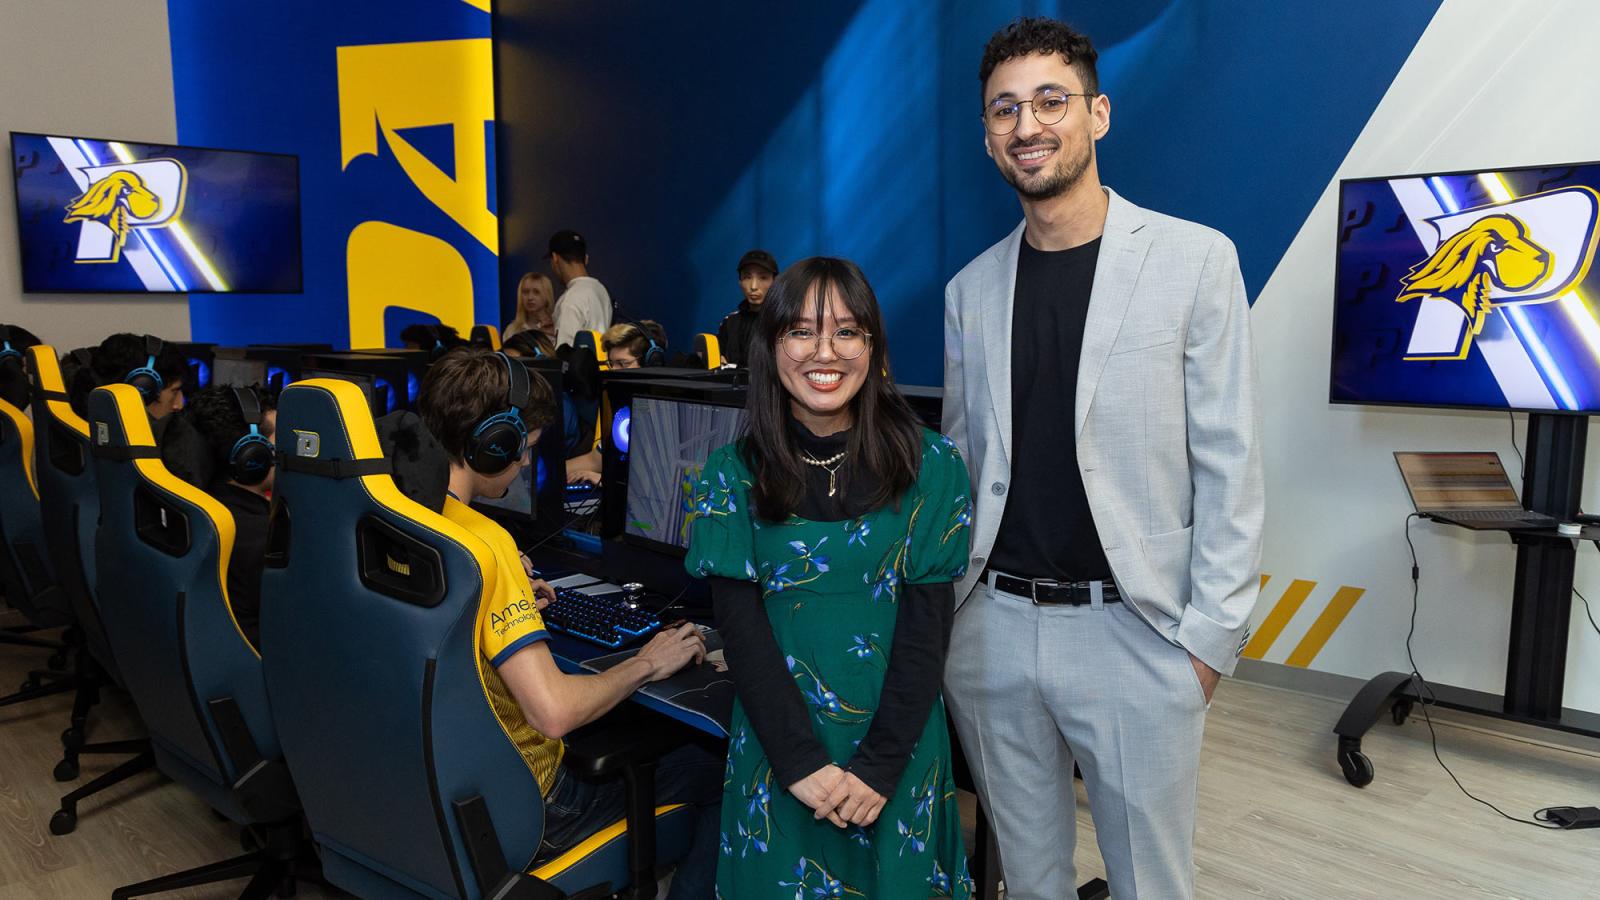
(737, 330)
(1047, 530)
(250, 512)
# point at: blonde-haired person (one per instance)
(628, 346)
(536, 300)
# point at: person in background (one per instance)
(628, 346)
(436, 338)
(14, 343)
(537, 703)
(122, 355)
(536, 304)
(529, 345)
(584, 305)
(756, 270)
(832, 535)
(217, 415)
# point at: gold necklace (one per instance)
(823, 464)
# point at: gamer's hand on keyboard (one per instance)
(543, 593)
(673, 649)
(583, 476)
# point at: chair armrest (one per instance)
(618, 741)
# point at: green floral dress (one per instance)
(831, 591)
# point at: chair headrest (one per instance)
(52, 390)
(420, 466)
(186, 451)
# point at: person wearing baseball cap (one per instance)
(756, 270)
(584, 305)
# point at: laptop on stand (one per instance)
(1467, 489)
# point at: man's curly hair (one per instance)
(1041, 35)
(215, 415)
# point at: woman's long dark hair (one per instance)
(885, 440)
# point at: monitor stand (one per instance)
(1541, 611)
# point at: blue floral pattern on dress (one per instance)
(812, 880)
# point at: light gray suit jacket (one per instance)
(1167, 420)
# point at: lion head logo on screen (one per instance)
(1517, 252)
(122, 198)
(1494, 251)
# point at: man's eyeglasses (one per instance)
(1049, 107)
(801, 344)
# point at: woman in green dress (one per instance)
(832, 533)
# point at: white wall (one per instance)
(1491, 84)
(97, 68)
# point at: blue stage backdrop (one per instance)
(389, 107)
(675, 141)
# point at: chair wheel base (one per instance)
(63, 822)
(57, 661)
(1357, 767)
(72, 738)
(66, 770)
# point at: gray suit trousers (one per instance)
(1034, 689)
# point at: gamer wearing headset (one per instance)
(14, 343)
(236, 425)
(144, 361)
(630, 346)
(485, 411)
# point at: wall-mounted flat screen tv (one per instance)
(102, 216)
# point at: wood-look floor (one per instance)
(1276, 818)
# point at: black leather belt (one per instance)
(1047, 591)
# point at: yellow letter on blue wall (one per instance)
(394, 87)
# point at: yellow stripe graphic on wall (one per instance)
(1323, 628)
(1278, 619)
(1284, 611)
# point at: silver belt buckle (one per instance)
(1035, 583)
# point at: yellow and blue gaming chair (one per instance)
(188, 666)
(26, 579)
(411, 785)
(69, 509)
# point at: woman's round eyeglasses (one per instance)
(801, 344)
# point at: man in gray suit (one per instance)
(1100, 381)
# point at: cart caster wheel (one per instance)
(1400, 711)
(66, 770)
(1356, 766)
(63, 822)
(57, 661)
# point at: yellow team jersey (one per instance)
(508, 622)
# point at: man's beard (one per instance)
(1068, 172)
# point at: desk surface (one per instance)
(698, 696)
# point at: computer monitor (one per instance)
(416, 363)
(389, 374)
(284, 361)
(199, 357)
(376, 399)
(1469, 289)
(232, 371)
(668, 442)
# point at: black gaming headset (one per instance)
(252, 456)
(8, 353)
(145, 378)
(655, 355)
(502, 438)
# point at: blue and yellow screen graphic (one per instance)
(1469, 289)
(97, 215)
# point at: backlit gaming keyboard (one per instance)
(609, 620)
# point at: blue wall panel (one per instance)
(855, 131)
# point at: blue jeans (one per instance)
(575, 809)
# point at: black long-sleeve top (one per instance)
(767, 689)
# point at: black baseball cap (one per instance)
(759, 259)
(568, 243)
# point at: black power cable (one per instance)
(1541, 818)
(1522, 465)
